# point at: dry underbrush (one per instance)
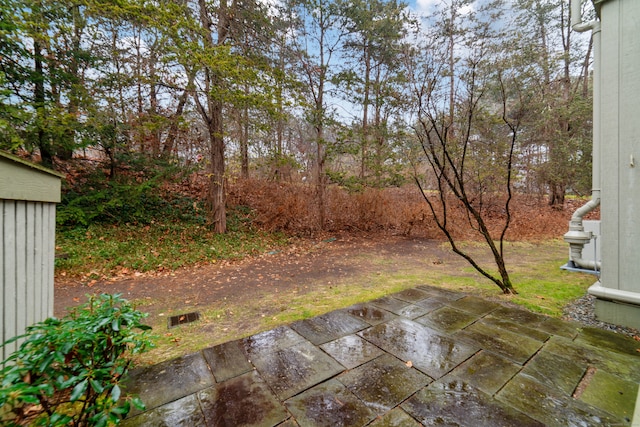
(292, 208)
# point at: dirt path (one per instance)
(322, 262)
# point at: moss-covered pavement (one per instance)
(422, 356)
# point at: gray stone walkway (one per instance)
(424, 356)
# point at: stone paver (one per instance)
(329, 404)
(384, 383)
(424, 356)
(242, 401)
(456, 403)
(328, 327)
(351, 351)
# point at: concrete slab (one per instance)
(444, 294)
(558, 327)
(412, 311)
(431, 304)
(518, 328)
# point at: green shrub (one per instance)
(67, 371)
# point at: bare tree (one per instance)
(455, 116)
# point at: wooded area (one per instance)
(356, 94)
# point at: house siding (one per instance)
(27, 253)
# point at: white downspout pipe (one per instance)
(576, 236)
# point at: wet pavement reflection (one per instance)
(423, 356)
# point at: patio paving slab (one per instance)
(456, 403)
(622, 365)
(271, 341)
(433, 353)
(395, 418)
(486, 371)
(184, 412)
(565, 375)
(447, 319)
(351, 351)
(294, 369)
(370, 313)
(328, 327)
(519, 328)
(329, 404)
(412, 295)
(384, 383)
(516, 347)
(432, 303)
(227, 360)
(391, 304)
(552, 407)
(242, 401)
(170, 380)
(611, 394)
(474, 305)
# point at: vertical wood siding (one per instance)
(27, 252)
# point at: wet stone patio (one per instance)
(424, 356)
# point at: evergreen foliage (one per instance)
(68, 371)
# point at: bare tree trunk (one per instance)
(217, 190)
(212, 114)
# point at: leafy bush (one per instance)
(67, 371)
(141, 193)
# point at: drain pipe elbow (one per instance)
(577, 237)
(576, 18)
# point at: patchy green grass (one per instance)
(101, 251)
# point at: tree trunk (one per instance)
(46, 153)
(217, 191)
(556, 195)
